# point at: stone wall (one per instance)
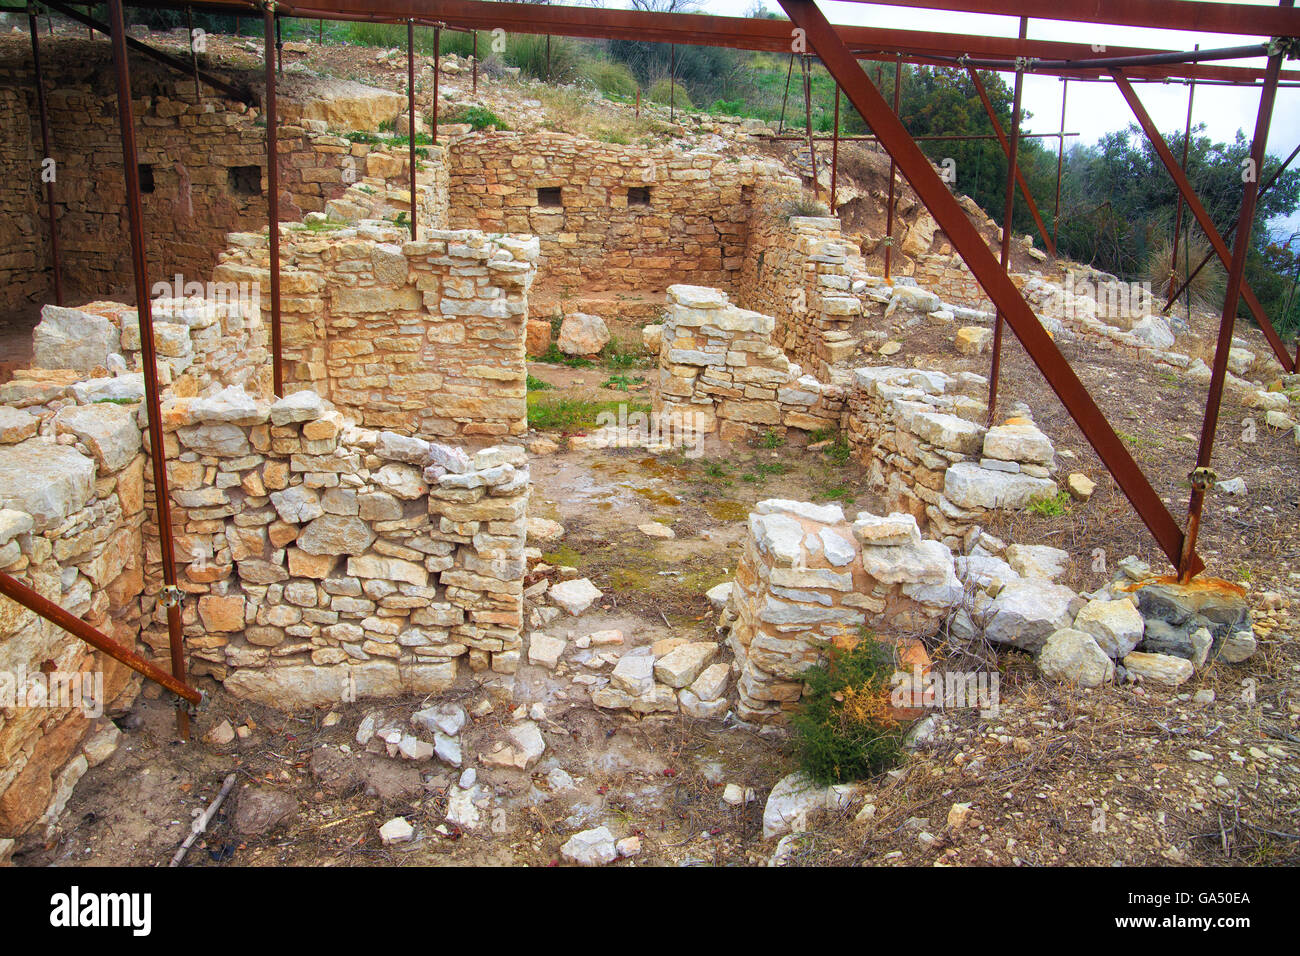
(72, 510)
(203, 168)
(692, 226)
(423, 337)
(803, 273)
(23, 250)
(808, 581)
(719, 367)
(921, 436)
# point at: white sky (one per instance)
(1096, 108)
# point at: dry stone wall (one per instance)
(203, 171)
(423, 337)
(624, 217)
(808, 581)
(718, 367)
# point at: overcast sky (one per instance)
(1096, 108)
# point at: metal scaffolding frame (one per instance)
(841, 49)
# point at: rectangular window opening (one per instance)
(638, 196)
(146, 177)
(550, 197)
(244, 180)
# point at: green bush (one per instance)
(661, 90)
(612, 79)
(844, 729)
(478, 118)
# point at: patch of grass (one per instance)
(663, 91)
(537, 385)
(616, 355)
(554, 356)
(804, 206)
(572, 414)
(316, 225)
(835, 493)
(116, 401)
(478, 117)
(844, 729)
(771, 439)
(1051, 506)
(609, 77)
(1137, 441)
(622, 382)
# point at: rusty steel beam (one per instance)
(743, 33)
(1265, 187)
(19, 592)
(1236, 285)
(437, 72)
(51, 207)
(1178, 215)
(1060, 157)
(170, 597)
(273, 197)
(1202, 216)
(893, 169)
(234, 92)
(967, 241)
(1007, 151)
(1199, 17)
(835, 147)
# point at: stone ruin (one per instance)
(365, 534)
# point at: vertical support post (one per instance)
(437, 72)
(1231, 299)
(835, 147)
(1060, 157)
(1008, 210)
(548, 58)
(638, 102)
(807, 109)
(148, 354)
(410, 110)
(789, 74)
(279, 49)
(672, 83)
(272, 194)
(893, 168)
(474, 68)
(1178, 215)
(52, 211)
(320, 32)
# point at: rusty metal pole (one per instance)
(437, 72)
(194, 54)
(548, 58)
(893, 167)
(789, 74)
(279, 49)
(807, 107)
(1060, 157)
(672, 85)
(272, 196)
(474, 67)
(170, 596)
(1178, 215)
(16, 590)
(410, 110)
(1203, 218)
(1231, 298)
(1264, 188)
(835, 147)
(1008, 211)
(52, 211)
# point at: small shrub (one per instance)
(477, 117)
(616, 356)
(844, 728)
(571, 414)
(804, 206)
(609, 77)
(554, 356)
(1051, 506)
(537, 385)
(662, 91)
(772, 439)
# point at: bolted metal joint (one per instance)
(1202, 478)
(171, 596)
